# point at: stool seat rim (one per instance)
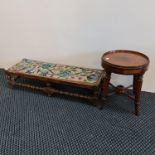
(116, 52)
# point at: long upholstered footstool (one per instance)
(54, 77)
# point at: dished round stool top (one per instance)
(128, 63)
(125, 62)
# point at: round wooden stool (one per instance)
(125, 62)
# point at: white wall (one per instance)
(77, 32)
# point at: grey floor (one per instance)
(35, 124)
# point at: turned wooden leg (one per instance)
(105, 87)
(10, 81)
(97, 96)
(137, 85)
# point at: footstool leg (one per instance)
(137, 85)
(10, 81)
(105, 87)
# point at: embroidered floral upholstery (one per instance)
(56, 71)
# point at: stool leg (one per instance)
(137, 85)
(105, 86)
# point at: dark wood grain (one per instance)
(125, 62)
(95, 87)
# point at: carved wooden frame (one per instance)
(12, 80)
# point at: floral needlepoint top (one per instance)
(57, 71)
